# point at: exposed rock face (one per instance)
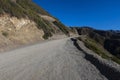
(15, 32)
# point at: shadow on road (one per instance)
(109, 72)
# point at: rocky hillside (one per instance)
(105, 40)
(22, 21)
(28, 10)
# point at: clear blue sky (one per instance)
(99, 14)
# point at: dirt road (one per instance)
(52, 60)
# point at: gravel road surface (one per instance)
(52, 60)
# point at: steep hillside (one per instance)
(29, 10)
(100, 41)
(23, 22)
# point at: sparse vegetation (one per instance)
(94, 46)
(61, 27)
(27, 9)
(109, 40)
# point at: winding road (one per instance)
(52, 60)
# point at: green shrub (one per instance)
(5, 34)
(47, 35)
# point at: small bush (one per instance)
(47, 35)
(5, 34)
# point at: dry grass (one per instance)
(98, 49)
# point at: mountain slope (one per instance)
(102, 42)
(24, 22)
(28, 9)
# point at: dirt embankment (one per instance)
(15, 32)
